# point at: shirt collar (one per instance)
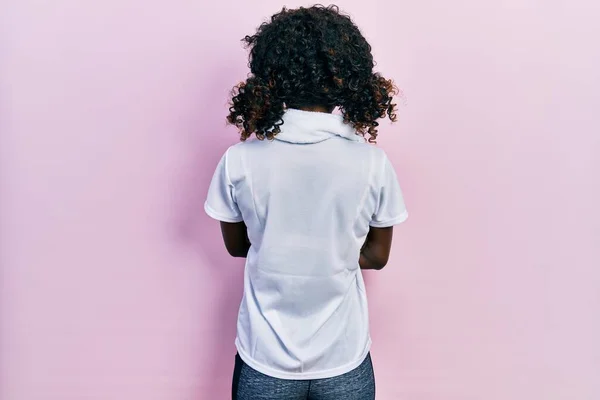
(304, 127)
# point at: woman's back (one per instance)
(308, 199)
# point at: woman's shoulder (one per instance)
(249, 148)
(367, 149)
(250, 144)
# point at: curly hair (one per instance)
(310, 57)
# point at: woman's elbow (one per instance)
(373, 263)
(237, 252)
(380, 263)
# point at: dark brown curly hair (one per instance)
(310, 57)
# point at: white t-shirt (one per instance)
(308, 199)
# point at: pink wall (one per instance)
(115, 286)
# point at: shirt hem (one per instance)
(220, 217)
(391, 222)
(330, 373)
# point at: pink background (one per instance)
(115, 285)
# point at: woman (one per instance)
(309, 203)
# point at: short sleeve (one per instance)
(390, 209)
(220, 202)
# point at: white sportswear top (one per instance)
(308, 199)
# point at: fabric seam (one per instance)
(330, 373)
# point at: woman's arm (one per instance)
(235, 236)
(375, 253)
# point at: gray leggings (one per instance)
(249, 384)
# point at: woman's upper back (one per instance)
(315, 189)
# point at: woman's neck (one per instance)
(322, 109)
